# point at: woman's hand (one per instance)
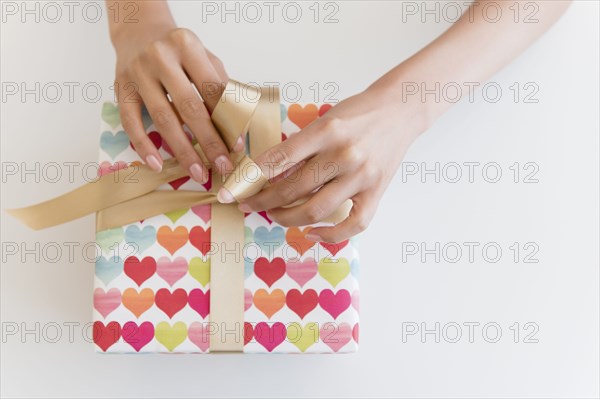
(157, 59)
(351, 152)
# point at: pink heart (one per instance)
(334, 304)
(270, 336)
(106, 302)
(107, 167)
(199, 334)
(335, 336)
(355, 300)
(247, 299)
(355, 333)
(171, 270)
(137, 336)
(202, 211)
(199, 301)
(301, 271)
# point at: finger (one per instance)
(196, 116)
(130, 110)
(295, 186)
(320, 205)
(170, 128)
(208, 81)
(282, 157)
(363, 208)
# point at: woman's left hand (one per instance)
(352, 151)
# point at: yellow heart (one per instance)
(334, 270)
(171, 337)
(200, 270)
(303, 337)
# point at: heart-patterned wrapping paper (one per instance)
(152, 282)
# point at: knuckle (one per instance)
(156, 50)
(371, 174)
(332, 125)
(314, 213)
(279, 156)
(192, 108)
(211, 146)
(361, 223)
(162, 117)
(353, 155)
(287, 192)
(187, 157)
(182, 36)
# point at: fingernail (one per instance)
(239, 145)
(244, 208)
(197, 173)
(224, 196)
(313, 237)
(153, 163)
(223, 164)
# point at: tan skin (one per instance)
(364, 137)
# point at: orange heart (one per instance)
(267, 303)
(138, 303)
(172, 240)
(302, 116)
(295, 239)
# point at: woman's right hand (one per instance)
(161, 59)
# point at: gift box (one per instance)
(155, 281)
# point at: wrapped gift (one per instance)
(205, 277)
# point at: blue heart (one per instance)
(283, 112)
(269, 240)
(141, 238)
(354, 267)
(115, 144)
(248, 267)
(108, 269)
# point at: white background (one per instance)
(559, 213)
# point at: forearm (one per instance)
(472, 50)
(126, 17)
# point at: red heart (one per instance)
(324, 108)
(334, 248)
(171, 302)
(107, 167)
(200, 301)
(269, 271)
(355, 333)
(200, 239)
(138, 336)
(179, 182)
(155, 138)
(208, 183)
(302, 303)
(335, 304)
(264, 215)
(283, 137)
(248, 332)
(106, 336)
(270, 336)
(140, 271)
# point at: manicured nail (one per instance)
(224, 196)
(153, 163)
(239, 145)
(244, 208)
(313, 237)
(197, 173)
(223, 164)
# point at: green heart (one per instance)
(108, 238)
(110, 114)
(303, 337)
(200, 270)
(171, 337)
(175, 215)
(334, 271)
(248, 234)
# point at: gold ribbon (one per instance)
(118, 201)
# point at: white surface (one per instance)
(560, 214)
